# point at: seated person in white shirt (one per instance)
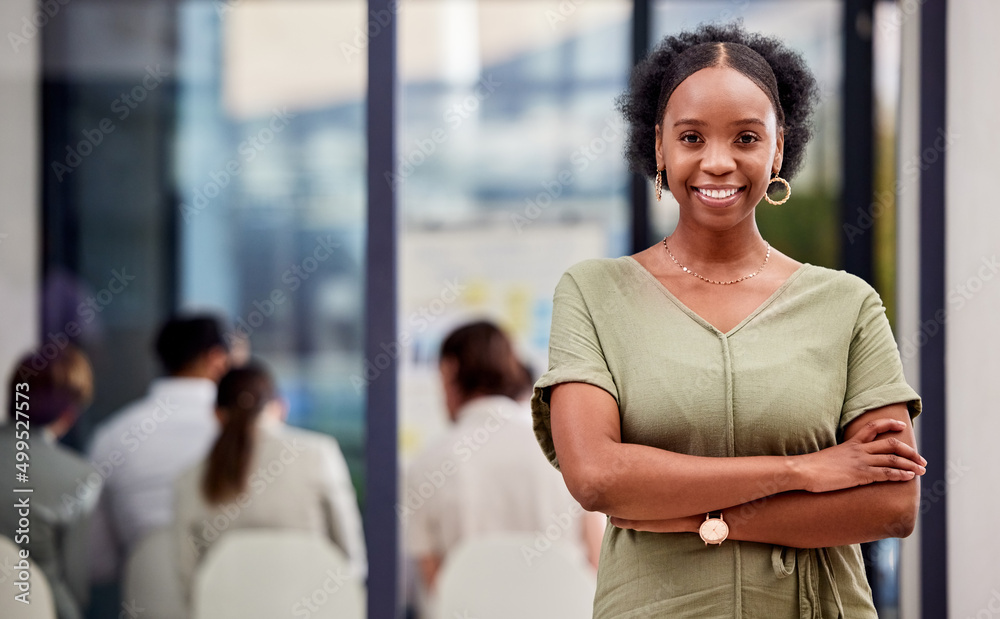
(142, 449)
(262, 473)
(486, 475)
(46, 397)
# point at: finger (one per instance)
(892, 474)
(894, 445)
(892, 461)
(878, 426)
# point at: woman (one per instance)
(485, 474)
(263, 474)
(46, 396)
(741, 417)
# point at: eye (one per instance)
(747, 138)
(690, 138)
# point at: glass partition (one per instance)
(510, 170)
(270, 168)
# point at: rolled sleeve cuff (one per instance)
(541, 412)
(877, 398)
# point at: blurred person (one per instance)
(262, 473)
(47, 397)
(142, 449)
(485, 475)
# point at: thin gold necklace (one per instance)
(767, 256)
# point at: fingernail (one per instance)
(923, 460)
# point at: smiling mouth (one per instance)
(719, 194)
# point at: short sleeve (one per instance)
(575, 356)
(874, 370)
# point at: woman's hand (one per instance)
(863, 459)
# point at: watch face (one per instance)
(714, 531)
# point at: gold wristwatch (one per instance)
(714, 530)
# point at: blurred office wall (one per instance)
(972, 270)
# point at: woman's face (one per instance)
(719, 143)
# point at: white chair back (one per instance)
(273, 574)
(507, 575)
(41, 605)
(152, 581)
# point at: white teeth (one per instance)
(718, 193)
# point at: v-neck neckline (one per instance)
(698, 318)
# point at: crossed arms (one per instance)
(863, 489)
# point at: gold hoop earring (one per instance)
(658, 184)
(788, 191)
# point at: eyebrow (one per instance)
(702, 123)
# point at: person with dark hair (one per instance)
(741, 417)
(485, 473)
(261, 473)
(46, 398)
(144, 447)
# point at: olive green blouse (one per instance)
(786, 380)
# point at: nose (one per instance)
(717, 159)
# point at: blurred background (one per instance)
(217, 155)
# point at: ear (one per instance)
(219, 362)
(64, 422)
(276, 410)
(660, 163)
(449, 368)
(779, 152)
(239, 351)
